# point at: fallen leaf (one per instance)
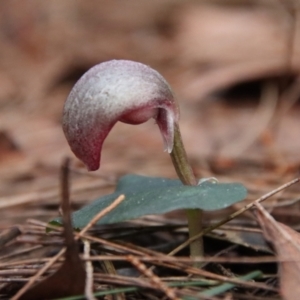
(251, 240)
(286, 242)
(154, 195)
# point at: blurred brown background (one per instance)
(205, 49)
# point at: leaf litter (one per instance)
(160, 260)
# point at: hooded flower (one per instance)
(116, 90)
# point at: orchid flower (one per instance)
(116, 90)
(130, 92)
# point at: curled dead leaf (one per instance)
(286, 242)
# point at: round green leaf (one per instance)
(151, 195)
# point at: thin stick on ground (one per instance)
(88, 291)
(157, 282)
(101, 214)
(118, 246)
(34, 278)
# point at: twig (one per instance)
(189, 260)
(117, 246)
(89, 272)
(107, 265)
(164, 258)
(170, 293)
(38, 274)
(20, 252)
(101, 214)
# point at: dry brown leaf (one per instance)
(252, 240)
(286, 242)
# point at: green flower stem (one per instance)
(187, 177)
(180, 161)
